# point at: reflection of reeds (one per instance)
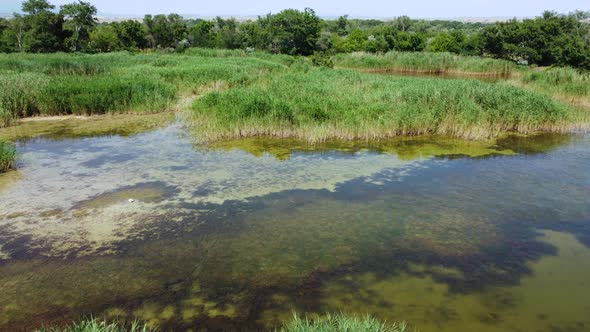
(341, 322)
(7, 156)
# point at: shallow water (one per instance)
(445, 234)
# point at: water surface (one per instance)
(445, 234)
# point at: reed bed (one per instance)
(318, 104)
(7, 156)
(61, 84)
(567, 83)
(425, 62)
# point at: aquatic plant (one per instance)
(341, 322)
(95, 325)
(344, 104)
(424, 62)
(7, 156)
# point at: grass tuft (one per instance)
(7, 156)
(341, 323)
(94, 325)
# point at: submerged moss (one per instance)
(74, 127)
(405, 148)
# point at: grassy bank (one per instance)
(7, 156)
(568, 84)
(58, 84)
(424, 62)
(318, 104)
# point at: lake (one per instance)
(447, 235)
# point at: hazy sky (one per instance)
(355, 8)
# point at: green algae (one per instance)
(76, 127)
(405, 148)
(148, 192)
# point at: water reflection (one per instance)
(236, 235)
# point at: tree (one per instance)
(33, 7)
(293, 32)
(104, 39)
(44, 29)
(14, 33)
(445, 42)
(131, 34)
(79, 18)
(342, 26)
(201, 34)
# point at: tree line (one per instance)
(550, 39)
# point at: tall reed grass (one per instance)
(565, 82)
(425, 62)
(7, 156)
(318, 104)
(58, 84)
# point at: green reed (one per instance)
(59, 84)
(567, 82)
(425, 62)
(318, 104)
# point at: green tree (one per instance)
(131, 34)
(201, 34)
(104, 39)
(44, 29)
(293, 32)
(79, 18)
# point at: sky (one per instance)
(329, 8)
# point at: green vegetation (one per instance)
(7, 156)
(551, 39)
(562, 82)
(94, 325)
(60, 84)
(421, 62)
(344, 104)
(341, 322)
(327, 323)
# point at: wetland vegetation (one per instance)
(221, 175)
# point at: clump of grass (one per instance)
(425, 62)
(317, 104)
(94, 325)
(19, 95)
(341, 323)
(7, 156)
(567, 82)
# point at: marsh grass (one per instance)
(7, 156)
(341, 323)
(318, 104)
(567, 83)
(94, 325)
(425, 62)
(61, 84)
